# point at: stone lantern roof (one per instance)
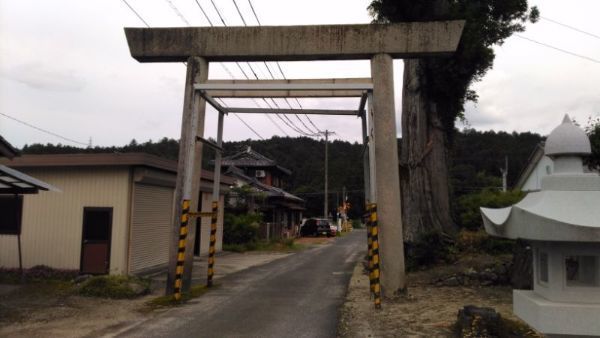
(567, 206)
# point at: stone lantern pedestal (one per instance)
(562, 222)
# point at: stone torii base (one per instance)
(379, 43)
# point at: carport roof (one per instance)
(16, 182)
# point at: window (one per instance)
(581, 270)
(11, 208)
(543, 267)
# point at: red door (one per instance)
(95, 240)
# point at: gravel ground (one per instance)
(427, 311)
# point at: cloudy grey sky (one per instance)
(65, 67)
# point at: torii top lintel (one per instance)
(295, 43)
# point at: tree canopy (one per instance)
(488, 23)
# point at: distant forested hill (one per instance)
(476, 159)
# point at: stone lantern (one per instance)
(562, 223)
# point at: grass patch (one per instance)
(115, 287)
(169, 301)
(38, 273)
(282, 245)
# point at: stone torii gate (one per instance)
(380, 43)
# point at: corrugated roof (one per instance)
(16, 182)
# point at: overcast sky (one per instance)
(65, 67)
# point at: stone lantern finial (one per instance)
(566, 144)
(567, 139)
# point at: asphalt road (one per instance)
(296, 296)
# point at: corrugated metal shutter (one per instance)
(152, 210)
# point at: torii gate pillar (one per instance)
(387, 182)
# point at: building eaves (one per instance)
(103, 159)
(6, 149)
(536, 155)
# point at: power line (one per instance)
(311, 132)
(244, 122)
(222, 65)
(292, 126)
(239, 66)
(136, 13)
(44, 130)
(571, 27)
(558, 49)
(176, 10)
(280, 70)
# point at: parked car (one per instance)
(316, 227)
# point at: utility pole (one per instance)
(504, 174)
(325, 207)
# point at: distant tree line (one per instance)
(475, 161)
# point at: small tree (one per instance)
(593, 130)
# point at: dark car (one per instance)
(315, 227)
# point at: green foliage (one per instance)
(38, 273)
(272, 245)
(241, 229)
(357, 224)
(447, 81)
(169, 301)
(593, 130)
(468, 205)
(166, 148)
(114, 286)
(431, 248)
(245, 197)
(476, 158)
(480, 242)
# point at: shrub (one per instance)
(469, 215)
(357, 224)
(480, 241)
(241, 229)
(116, 287)
(431, 248)
(36, 274)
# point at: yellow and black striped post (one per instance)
(369, 247)
(374, 275)
(213, 240)
(183, 231)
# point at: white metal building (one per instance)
(114, 213)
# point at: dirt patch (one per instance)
(54, 310)
(427, 309)
(314, 240)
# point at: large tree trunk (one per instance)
(423, 160)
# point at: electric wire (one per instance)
(136, 13)
(278, 66)
(44, 130)
(570, 27)
(291, 125)
(222, 65)
(176, 10)
(273, 77)
(244, 122)
(558, 49)
(238, 64)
